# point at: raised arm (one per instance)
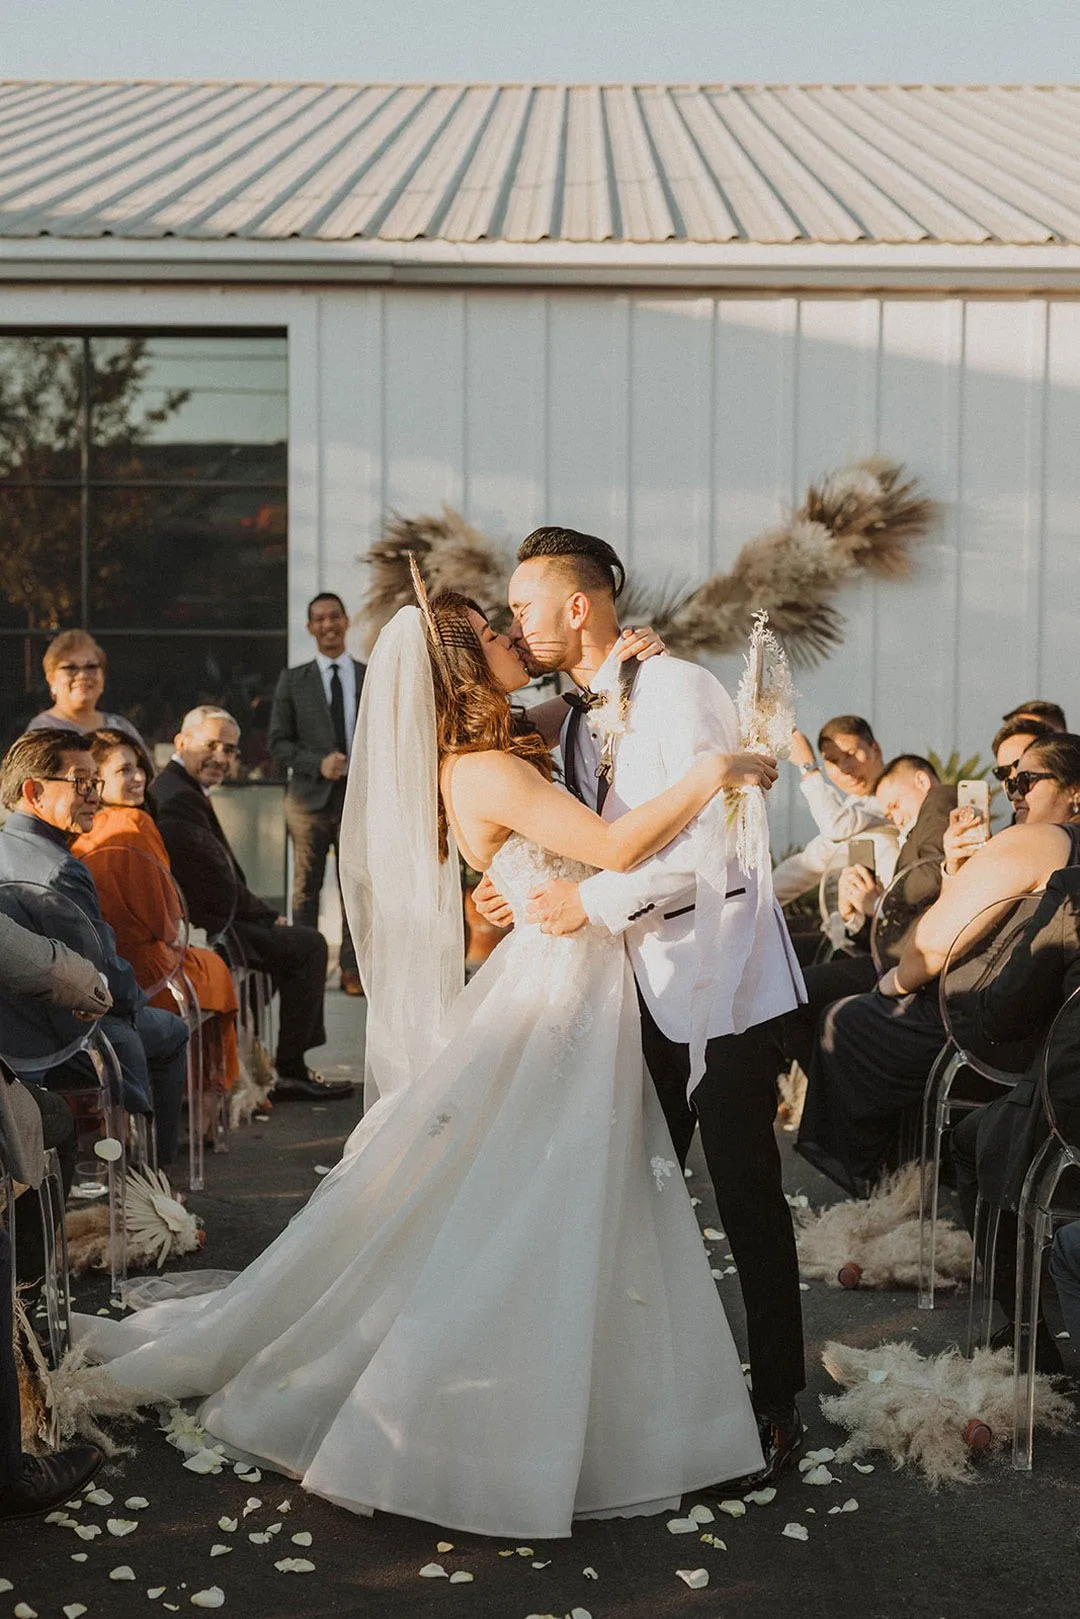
(495, 791)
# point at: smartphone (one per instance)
(860, 852)
(977, 794)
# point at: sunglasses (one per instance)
(1020, 785)
(1002, 772)
(85, 786)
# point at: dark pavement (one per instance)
(1005, 1546)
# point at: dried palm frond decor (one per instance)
(860, 521)
(874, 1241)
(157, 1224)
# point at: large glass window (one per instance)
(143, 490)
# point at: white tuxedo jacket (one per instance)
(677, 712)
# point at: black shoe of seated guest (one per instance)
(781, 1433)
(48, 1480)
(312, 1086)
(1047, 1354)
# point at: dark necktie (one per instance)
(337, 710)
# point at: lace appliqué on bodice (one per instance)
(520, 866)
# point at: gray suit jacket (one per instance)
(46, 970)
(301, 732)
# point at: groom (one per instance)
(563, 596)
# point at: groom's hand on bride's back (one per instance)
(491, 905)
(557, 907)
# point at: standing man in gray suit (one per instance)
(311, 730)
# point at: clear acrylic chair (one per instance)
(36, 1038)
(975, 956)
(1039, 1211)
(912, 890)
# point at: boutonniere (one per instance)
(607, 721)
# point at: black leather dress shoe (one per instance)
(48, 1480)
(781, 1435)
(312, 1087)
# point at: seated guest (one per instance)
(1065, 1271)
(75, 669)
(919, 806)
(1011, 741)
(295, 957)
(49, 782)
(137, 898)
(1049, 714)
(840, 796)
(45, 971)
(876, 1050)
(993, 1146)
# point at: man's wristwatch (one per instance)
(809, 770)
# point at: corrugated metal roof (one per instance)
(840, 164)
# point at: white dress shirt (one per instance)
(839, 817)
(347, 673)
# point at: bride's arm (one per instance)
(493, 790)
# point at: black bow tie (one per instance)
(585, 699)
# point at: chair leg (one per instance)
(990, 1245)
(947, 1065)
(57, 1274)
(1032, 1235)
(977, 1273)
(111, 1075)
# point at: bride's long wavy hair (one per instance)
(472, 712)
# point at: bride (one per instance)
(496, 1313)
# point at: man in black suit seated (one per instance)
(918, 805)
(993, 1146)
(218, 896)
(311, 731)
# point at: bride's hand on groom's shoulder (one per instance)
(557, 907)
(640, 643)
(490, 903)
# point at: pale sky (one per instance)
(940, 41)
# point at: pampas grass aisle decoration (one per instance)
(930, 1413)
(862, 520)
(874, 1241)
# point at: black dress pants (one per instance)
(314, 833)
(295, 958)
(735, 1108)
(10, 1413)
(826, 982)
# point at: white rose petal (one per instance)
(682, 1526)
(443, 1546)
(23, 1610)
(460, 1576)
(590, 1574)
(711, 1234)
(702, 1514)
(136, 1503)
(258, 1538)
(122, 1573)
(303, 1538)
(204, 1461)
(252, 1504)
(273, 1529)
(108, 1148)
(715, 1541)
(283, 1506)
(824, 1455)
(796, 1531)
(121, 1526)
(74, 1610)
(543, 1565)
(87, 1531)
(155, 1591)
(295, 1565)
(322, 1169)
(212, 1597)
(734, 1509)
(59, 1517)
(433, 1571)
(525, 1551)
(761, 1498)
(580, 1613)
(695, 1578)
(228, 1524)
(717, 1274)
(820, 1475)
(804, 1287)
(863, 1467)
(100, 1498)
(219, 1550)
(76, 1557)
(251, 1475)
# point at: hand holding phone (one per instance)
(861, 852)
(975, 795)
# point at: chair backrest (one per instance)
(34, 1036)
(203, 851)
(143, 905)
(976, 956)
(1059, 1075)
(911, 892)
(830, 883)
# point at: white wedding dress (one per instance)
(496, 1312)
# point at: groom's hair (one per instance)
(593, 562)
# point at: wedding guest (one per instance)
(294, 956)
(311, 731)
(839, 792)
(49, 783)
(875, 1050)
(75, 668)
(1050, 714)
(993, 1146)
(137, 897)
(1065, 1271)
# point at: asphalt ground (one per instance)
(1004, 1546)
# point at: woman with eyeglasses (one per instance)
(75, 668)
(137, 899)
(875, 1051)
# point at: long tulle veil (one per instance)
(403, 903)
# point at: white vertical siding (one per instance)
(680, 426)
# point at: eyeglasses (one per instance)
(1020, 785)
(73, 669)
(85, 786)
